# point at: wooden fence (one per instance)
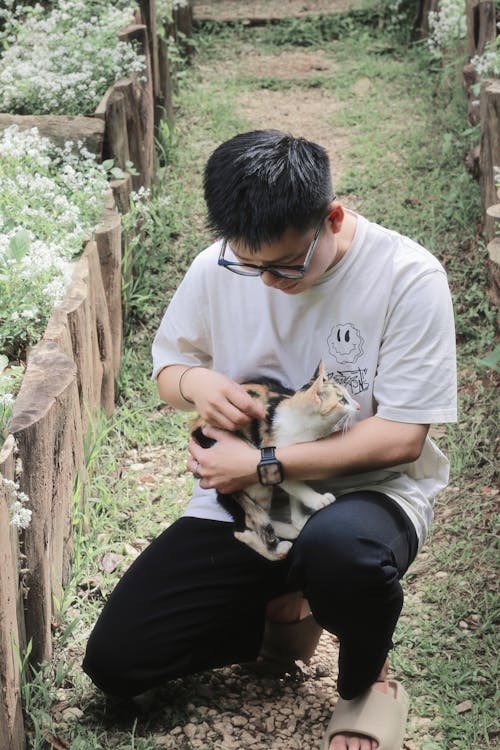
(482, 29)
(71, 372)
(483, 108)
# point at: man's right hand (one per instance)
(220, 401)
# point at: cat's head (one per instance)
(327, 398)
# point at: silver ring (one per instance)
(195, 472)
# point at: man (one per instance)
(295, 278)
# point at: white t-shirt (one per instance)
(382, 321)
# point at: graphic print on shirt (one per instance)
(354, 380)
(345, 343)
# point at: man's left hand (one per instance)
(228, 466)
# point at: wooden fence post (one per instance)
(11, 613)
(46, 425)
(489, 155)
(422, 22)
(481, 24)
(108, 239)
(148, 12)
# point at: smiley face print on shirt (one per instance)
(345, 343)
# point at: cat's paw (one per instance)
(326, 499)
(282, 550)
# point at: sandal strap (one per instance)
(381, 716)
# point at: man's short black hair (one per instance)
(258, 184)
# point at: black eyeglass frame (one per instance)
(283, 272)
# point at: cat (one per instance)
(319, 408)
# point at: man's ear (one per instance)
(336, 217)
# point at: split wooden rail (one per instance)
(484, 109)
(71, 372)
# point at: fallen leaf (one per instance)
(461, 708)
(109, 562)
(147, 479)
(130, 550)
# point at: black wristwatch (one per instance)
(269, 469)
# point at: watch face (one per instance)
(270, 473)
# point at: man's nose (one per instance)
(269, 279)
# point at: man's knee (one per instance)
(340, 557)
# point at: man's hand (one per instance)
(221, 402)
(228, 466)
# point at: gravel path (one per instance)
(233, 709)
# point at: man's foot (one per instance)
(350, 741)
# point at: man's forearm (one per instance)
(168, 387)
(371, 444)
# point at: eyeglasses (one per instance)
(285, 272)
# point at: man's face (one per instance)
(291, 250)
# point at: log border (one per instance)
(71, 372)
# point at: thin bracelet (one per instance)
(180, 383)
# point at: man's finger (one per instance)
(245, 403)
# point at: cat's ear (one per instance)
(319, 376)
(319, 371)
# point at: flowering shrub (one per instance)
(63, 61)
(50, 200)
(164, 9)
(488, 64)
(447, 26)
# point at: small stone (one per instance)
(322, 670)
(461, 708)
(240, 721)
(72, 714)
(190, 730)
(361, 87)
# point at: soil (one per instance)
(311, 113)
(241, 10)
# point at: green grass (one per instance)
(407, 139)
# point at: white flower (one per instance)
(447, 25)
(78, 50)
(19, 515)
(51, 200)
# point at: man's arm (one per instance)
(371, 444)
(220, 401)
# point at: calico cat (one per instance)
(319, 408)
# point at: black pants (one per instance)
(195, 599)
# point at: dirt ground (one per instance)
(242, 10)
(311, 113)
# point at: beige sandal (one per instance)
(381, 716)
